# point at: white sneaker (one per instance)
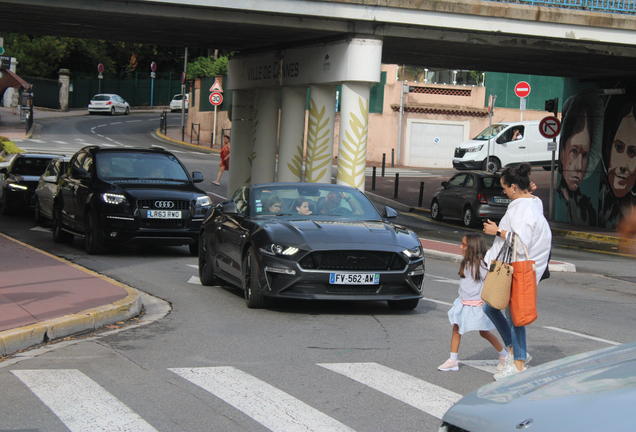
(449, 365)
(503, 361)
(507, 371)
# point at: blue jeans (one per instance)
(511, 335)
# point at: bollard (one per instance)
(373, 180)
(383, 162)
(397, 182)
(421, 194)
(392, 158)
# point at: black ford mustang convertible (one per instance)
(310, 241)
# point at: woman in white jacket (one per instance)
(524, 217)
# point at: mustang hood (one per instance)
(341, 234)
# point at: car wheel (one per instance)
(251, 282)
(194, 249)
(206, 265)
(59, 235)
(127, 111)
(112, 111)
(493, 166)
(409, 304)
(435, 213)
(94, 245)
(469, 217)
(37, 213)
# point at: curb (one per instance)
(21, 338)
(184, 144)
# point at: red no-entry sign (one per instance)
(522, 89)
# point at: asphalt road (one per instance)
(212, 364)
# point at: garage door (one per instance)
(431, 145)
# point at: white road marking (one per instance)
(80, 403)
(427, 397)
(273, 408)
(193, 266)
(60, 142)
(437, 301)
(36, 141)
(41, 229)
(489, 366)
(115, 123)
(194, 280)
(101, 125)
(582, 335)
(132, 121)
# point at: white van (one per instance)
(511, 143)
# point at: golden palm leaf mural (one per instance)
(352, 160)
(296, 167)
(317, 143)
(252, 156)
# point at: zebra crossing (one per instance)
(84, 405)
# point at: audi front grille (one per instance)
(163, 204)
(353, 260)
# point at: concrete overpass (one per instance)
(462, 34)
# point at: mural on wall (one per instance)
(597, 159)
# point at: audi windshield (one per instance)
(139, 166)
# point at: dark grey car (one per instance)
(471, 196)
(593, 391)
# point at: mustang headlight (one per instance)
(276, 249)
(203, 201)
(17, 187)
(111, 198)
(416, 252)
(474, 149)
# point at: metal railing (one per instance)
(193, 132)
(163, 122)
(611, 6)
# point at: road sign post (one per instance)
(216, 99)
(153, 68)
(550, 127)
(522, 90)
(100, 71)
(491, 111)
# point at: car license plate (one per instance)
(163, 214)
(354, 278)
(500, 200)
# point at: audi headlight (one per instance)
(203, 201)
(416, 252)
(17, 187)
(474, 149)
(276, 249)
(111, 198)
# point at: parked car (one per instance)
(511, 143)
(593, 391)
(109, 104)
(471, 196)
(177, 102)
(47, 188)
(20, 179)
(131, 196)
(342, 250)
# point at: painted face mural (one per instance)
(575, 156)
(621, 171)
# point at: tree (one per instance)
(204, 67)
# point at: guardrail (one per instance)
(611, 6)
(197, 132)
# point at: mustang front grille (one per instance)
(352, 260)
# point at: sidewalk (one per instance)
(43, 297)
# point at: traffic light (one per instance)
(552, 105)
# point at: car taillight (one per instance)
(482, 199)
(108, 103)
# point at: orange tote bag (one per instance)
(523, 295)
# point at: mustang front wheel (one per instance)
(251, 281)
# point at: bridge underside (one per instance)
(164, 23)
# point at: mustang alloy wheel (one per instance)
(251, 282)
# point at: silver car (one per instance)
(177, 102)
(593, 391)
(108, 103)
(47, 188)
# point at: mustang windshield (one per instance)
(314, 201)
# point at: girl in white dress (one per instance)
(467, 314)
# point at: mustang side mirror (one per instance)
(389, 213)
(230, 208)
(197, 177)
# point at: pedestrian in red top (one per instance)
(225, 159)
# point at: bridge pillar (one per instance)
(320, 133)
(354, 129)
(242, 139)
(263, 155)
(292, 130)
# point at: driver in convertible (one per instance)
(333, 200)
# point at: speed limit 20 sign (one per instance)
(216, 99)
